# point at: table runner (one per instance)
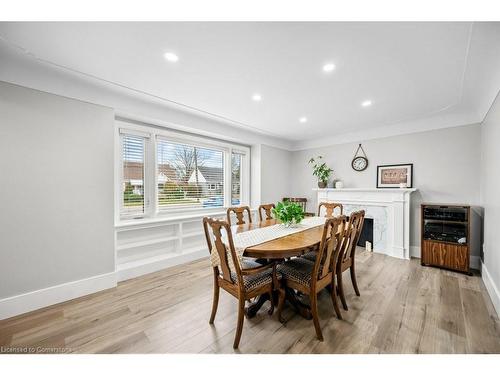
(260, 235)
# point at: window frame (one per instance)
(147, 150)
(153, 134)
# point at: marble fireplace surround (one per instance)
(389, 209)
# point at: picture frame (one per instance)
(391, 176)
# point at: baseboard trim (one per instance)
(130, 271)
(475, 262)
(414, 251)
(23, 303)
(491, 288)
(31, 301)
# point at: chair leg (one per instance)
(239, 327)
(281, 302)
(353, 279)
(215, 301)
(271, 299)
(333, 294)
(314, 311)
(340, 287)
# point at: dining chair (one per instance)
(311, 277)
(302, 202)
(243, 281)
(267, 210)
(346, 261)
(330, 208)
(240, 214)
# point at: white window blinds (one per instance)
(133, 175)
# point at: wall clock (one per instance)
(359, 163)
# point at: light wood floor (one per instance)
(403, 308)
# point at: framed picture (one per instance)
(395, 176)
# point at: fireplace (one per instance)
(366, 232)
(387, 216)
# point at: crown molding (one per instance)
(441, 121)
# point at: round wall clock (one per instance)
(359, 163)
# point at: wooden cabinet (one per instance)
(454, 257)
(446, 236)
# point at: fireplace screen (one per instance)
(366, 233)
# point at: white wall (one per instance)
(56, 191)
(275, 174)
(490, 200)
(255, 175)
(445, 168)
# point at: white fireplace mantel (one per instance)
(389, 209)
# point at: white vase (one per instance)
(339, 185)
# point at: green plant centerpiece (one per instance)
(321, 171)
(288, 213)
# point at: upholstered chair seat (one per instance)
(298, 270)
(257, 280)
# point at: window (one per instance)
(132, 189)
(165, 171)
(236, 162)
(189, 175)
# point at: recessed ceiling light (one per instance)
(303, 119)
(256, 97)
(170, 56)
(366, 103)
(328, 67)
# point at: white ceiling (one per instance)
(411, 71)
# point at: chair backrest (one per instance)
(354, 227)
(267, 208)
(213, 229)
(240, 214)
(330, 207)
(300, 201)
(330, 247)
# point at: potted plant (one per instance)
(288, 213)
(321, 171)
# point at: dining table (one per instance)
(277, 250)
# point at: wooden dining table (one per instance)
(277, 250)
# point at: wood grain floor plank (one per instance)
(452, 319)
(403, 308)
(482, 333)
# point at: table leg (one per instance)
(252, 309)
(301, 308)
